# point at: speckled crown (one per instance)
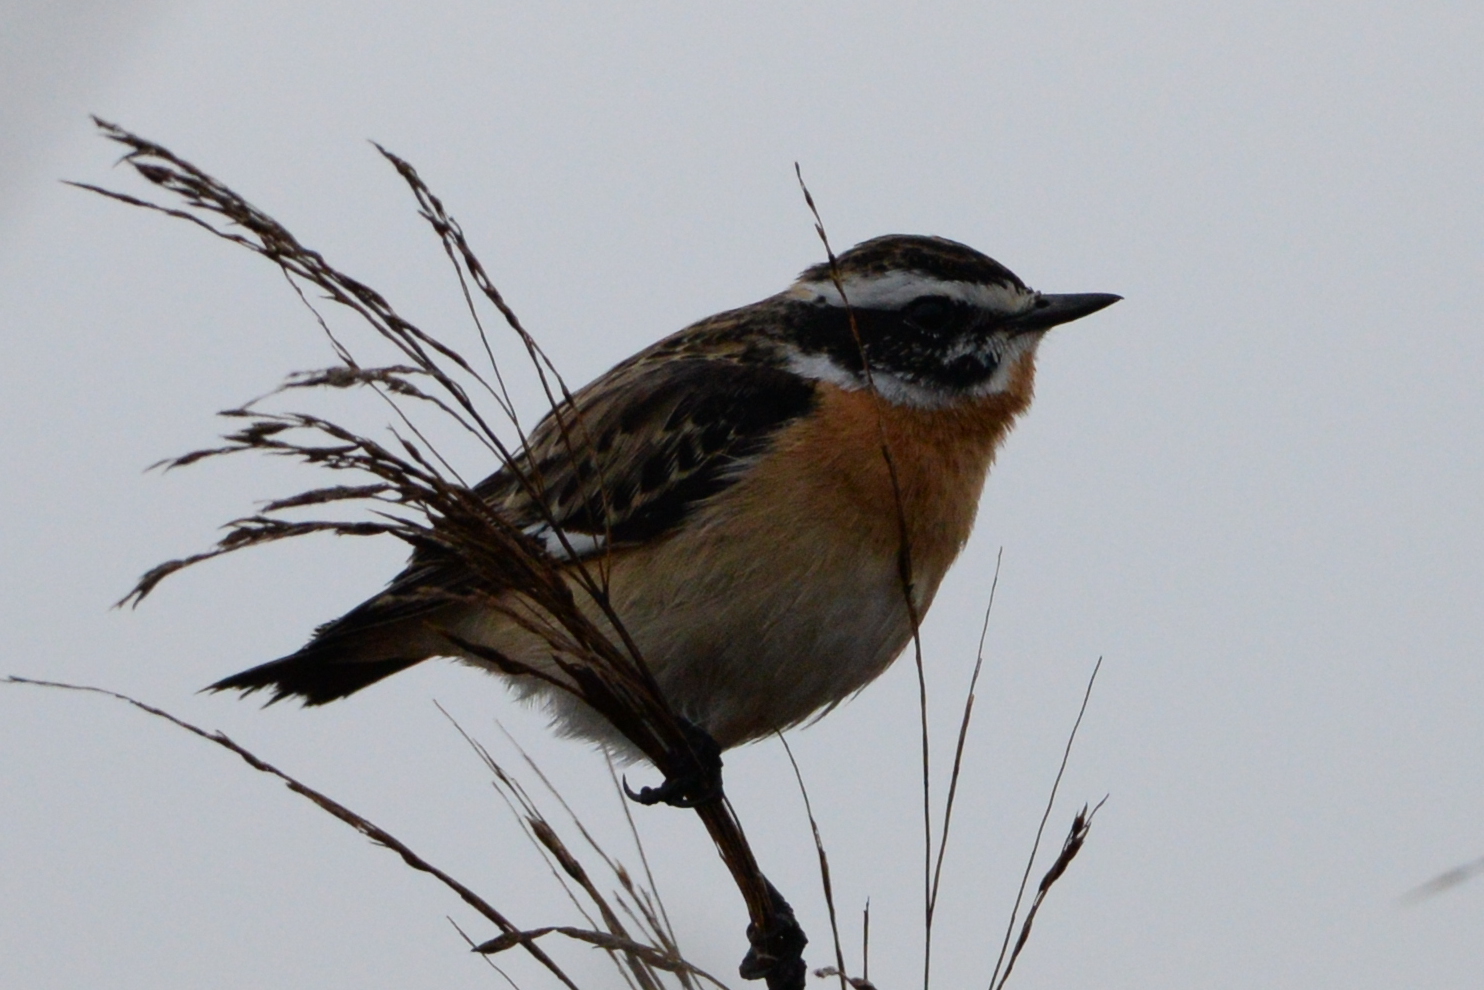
(935, 257)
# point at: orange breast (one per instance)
(831, 466)
(781, 596)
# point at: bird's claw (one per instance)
(777, 954)
(677, 792)
(693, 773)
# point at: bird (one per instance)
(747, 484)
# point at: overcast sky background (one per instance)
(1254, 487)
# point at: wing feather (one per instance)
(645, 449)
(646, 446)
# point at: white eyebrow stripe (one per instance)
(893, 290)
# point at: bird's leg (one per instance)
(777, 954)
(692, 772)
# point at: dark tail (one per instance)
(377, 639)
(398, 628)
(316, 674)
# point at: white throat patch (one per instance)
(894, 290)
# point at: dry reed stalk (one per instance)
(635, 967)
(904, 575)
(825, 883)
(361, 824)
(1073, 845)
(415, 496)
(641, 960)
(931, 873)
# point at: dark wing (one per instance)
(647, 447)
(647, 443)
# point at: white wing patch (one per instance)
(583, 544)
(894, 290)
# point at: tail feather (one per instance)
(383, 635)
(316, 674)
(376, 639)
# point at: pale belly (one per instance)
(747, 643)
(743, 642)
(782, 596)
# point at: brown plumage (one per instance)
(730, 480)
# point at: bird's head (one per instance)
(938, 321)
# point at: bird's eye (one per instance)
(928, 313)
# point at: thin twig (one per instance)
(904, 575)
(358, 822)
(488, 961)
(1070, 847)
(448, 523)
(963, 734)
(663, 925)
(824, 862)
(603, 940)
(856, 982)
(1040, 829)
(563, 865)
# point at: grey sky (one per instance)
(1254, 486)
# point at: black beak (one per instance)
(1050, 311)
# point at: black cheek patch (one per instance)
(895, 345)
(967, 371)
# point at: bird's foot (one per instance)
(777, 954)
(692, 772)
